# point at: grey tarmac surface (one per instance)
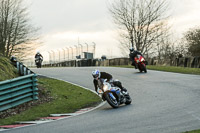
(163, 102)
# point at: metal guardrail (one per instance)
(23, 70)
(18, 91)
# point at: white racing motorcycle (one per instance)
(112, 94)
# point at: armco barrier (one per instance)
(17, 91)
(23, 70)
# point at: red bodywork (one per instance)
(141, 62)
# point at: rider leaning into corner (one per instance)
(132, 55)
(38, 55)
(103, 75)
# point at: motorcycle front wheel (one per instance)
(144, 67)
(112, 100)
(140, 68)
(128, 100)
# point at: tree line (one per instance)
(143, 25)
(17, 34)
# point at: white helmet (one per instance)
(131, 49)
(96, 74)
(38, 52)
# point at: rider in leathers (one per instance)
(132, 55)
(38, 56)
(103, 75)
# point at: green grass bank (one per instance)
(7, 70)
(63, 98)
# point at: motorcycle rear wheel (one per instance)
(113, 102)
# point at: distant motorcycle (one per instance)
(112, 94)
(38, 62)
(140, 61)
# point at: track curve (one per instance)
(163, 102)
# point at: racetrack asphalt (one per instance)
(163, 102)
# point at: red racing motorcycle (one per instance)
(141, 63)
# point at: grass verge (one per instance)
(7, 70)
(194, 131)
(66, 98)
(185, 70)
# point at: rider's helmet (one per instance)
(13, 58)
(96, 74)
(38, 52)
(131, 49)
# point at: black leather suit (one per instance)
(104, 75)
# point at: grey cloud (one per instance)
(62, 15)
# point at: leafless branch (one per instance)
(143, 20)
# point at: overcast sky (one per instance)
(62, 22)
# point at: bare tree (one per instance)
(16, 32)
(192, 41)
(169, 49)
(164, 45)
(141, 22)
